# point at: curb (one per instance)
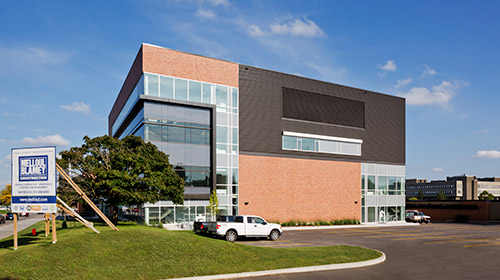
(337, 266)
(405, 224)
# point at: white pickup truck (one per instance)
(251, 226)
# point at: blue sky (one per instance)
(62, 64)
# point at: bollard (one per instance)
(33, 231)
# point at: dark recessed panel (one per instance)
(309, 106)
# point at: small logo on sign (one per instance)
(28, 208)
(33, 168)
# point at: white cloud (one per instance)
(487, 154)
(437, 169)
(224, 3)
(428, 71)
(298, 27)
(402, 83)
(55, 139)
(255, 31)
(14, 115)
(482, 131)
(77, 107)
(31, 55)
(440, 94)
(389, 65)
(205, 14)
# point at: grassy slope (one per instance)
(138, 252)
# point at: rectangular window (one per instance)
(235, 135)
(382, 185)
(221, 134)
(181, 89)
(194, 91)
(152, 85)
(321, 143)
(199, 136)
(177, 134)
(307, 144)
(221, 175)
(207, 93)
(166, 87)
(153, 132)
(221, 96)
(371, 185)
(235, 97)
(290, 142)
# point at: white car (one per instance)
(250, 226)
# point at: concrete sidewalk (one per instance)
(7, 229)
(394, 224)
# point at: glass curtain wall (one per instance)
(382, 193)
(185, 135)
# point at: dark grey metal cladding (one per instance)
(262, 122)
(310, 106)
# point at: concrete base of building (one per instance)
(392, 224)
(381, 259)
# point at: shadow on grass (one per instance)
(9, 278)
(9, 243)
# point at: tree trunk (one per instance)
(114, 219)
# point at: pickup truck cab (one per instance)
(249, 226)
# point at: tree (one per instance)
(5, 195)
(121, 172)
(213, 204)
(420, 195)
(441, 196)
(485, 195)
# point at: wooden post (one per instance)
(47, 227)
(15, 231)
(85, 197)
(54, 235)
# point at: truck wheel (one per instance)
(274, 235)
(231, 235)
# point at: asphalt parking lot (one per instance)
(428, 251)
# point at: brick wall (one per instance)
(284, 189)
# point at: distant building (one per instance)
(461, 187)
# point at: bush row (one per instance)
(321, 223)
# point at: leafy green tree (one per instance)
(485, 195)
(441, 196)
(420, 195)
(213, 205)
(5, 195)
(121, 172)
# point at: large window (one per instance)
(321, 144)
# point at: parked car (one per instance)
(9, 216)
(24, 214)
(249, 226)
(413, 216)
(425, 218)
(2, 219)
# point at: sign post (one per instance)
(34, 183)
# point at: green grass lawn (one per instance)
(139, 252)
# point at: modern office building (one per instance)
(272, 144)
(461, 187)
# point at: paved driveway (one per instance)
(7, 229)
(432, 251)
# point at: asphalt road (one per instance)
(429, 251)
(7, 229)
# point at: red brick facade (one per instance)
(189, 66)
(284, 189)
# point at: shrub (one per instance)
(462, 218)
